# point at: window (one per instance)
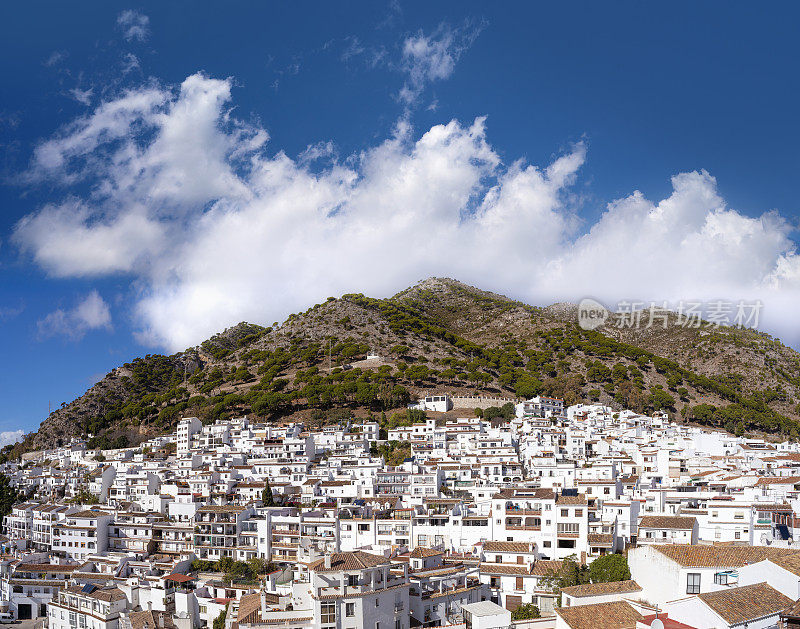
(578, 513)
(518, 585)
(693, 583)
(352, 579)
(737, 535)
(327, 612)
(350, 609)
(721, 578)
(378, 601)
(564, 513)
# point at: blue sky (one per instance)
(172, 168)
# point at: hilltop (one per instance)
(439, 335)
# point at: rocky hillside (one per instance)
(439, 335)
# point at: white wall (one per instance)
(782, 580)
(695, 613)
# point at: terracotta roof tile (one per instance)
(580, 499)
(544, 567)
(356, 560)
(598, 589)
(504, 568)
(788, 562)
(601, 540)
(249, 608)
(422, 551)
(616, 615)
(746, 603)
(150, 620)
(718, 556)
(507, 547)
(667, 522)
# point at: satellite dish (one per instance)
(657, 624)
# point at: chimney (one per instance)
(263, 602)
(327, 562)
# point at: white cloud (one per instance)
(134, 25)
(8, 437)
(430, 58)
(354, 49)
(130, 62)
(188, 201)
(55, 57)
(82, 96)
(91, 313)
(11, 312)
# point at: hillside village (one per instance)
(526, 514)
(399, 315)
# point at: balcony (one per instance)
(347, 590)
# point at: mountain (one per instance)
(439, 335)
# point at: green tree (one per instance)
(83, 497)
(568, 574)
(8, 495)
(660, 399)
(219, 621)
(266, 496)
(203, 565)
(525, 612)
(527, 386)
(259, 566)
(225, 565)
(609, 568)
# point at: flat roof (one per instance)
(484, 608)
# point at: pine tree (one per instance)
(266, 496)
